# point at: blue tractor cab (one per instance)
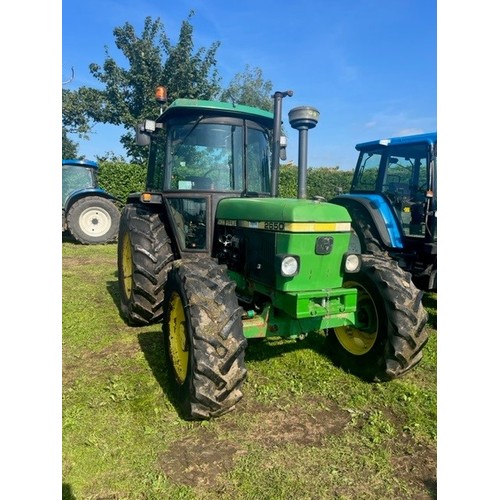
(393, 203)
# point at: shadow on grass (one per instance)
(67, 493)
(68, 238)
(429, 300)
(153, 347)
(263, 349)
(114, 292)
(431, 485)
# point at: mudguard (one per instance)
(380, 212)
(82, 193)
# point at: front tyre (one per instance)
(144, 260)
(93, 220)
(204, 339)
(390, 335)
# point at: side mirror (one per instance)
(142, 137)
(282, 148)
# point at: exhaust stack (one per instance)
(275, 158)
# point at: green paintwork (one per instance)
(190, 106)
(281, 209)
(317, 272)
(272, 321)
(314, 298)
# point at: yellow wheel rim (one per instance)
(127, 264)
(360, 340)
(178, 345)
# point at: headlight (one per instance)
(352, 263)
(289, 266)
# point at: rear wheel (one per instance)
(389, 336)
(93, 220)
(204, 339)
(144, 260)
(364, 237)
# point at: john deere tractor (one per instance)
(393, 203)
(210, 250)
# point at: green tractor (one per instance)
(210, 250)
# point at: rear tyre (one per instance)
(204, 339)
(93, 220)
(364, 237)
(144, 260)
(390, 335)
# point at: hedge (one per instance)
(121, 178)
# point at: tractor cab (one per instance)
(393, 202)
(77, 175)
(400, 169)
(201, 152)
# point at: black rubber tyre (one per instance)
(392, 320)
(93, 220)
(204, 340)
(365, 236)
(144, 260)
(366, 239)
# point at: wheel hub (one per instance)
(178, 341)
(360, 339)
(95, 222)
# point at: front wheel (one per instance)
(93, 220)
(204, 339)
(389, 334)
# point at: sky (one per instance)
(368, 66)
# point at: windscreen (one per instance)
(401, 173)
(75, 178)
(217, 154)
(393, 168)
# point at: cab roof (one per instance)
(430, 138)
(80, 163)
(183, 107)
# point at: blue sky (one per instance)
(368, 66)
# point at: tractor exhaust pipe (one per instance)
(303, 118)
(275, 159)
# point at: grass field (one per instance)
(304, 429)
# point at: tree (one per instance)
(75, 115)
(75, 119)
(69, 147)
(250, 88)
(128, 95)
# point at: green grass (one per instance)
(304, 429)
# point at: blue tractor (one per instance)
(89, 213)
(393, 203)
